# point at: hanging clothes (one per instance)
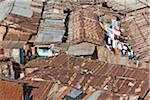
(116, 37)
(102, 26)
(106, 39)
(116, 51)
(125, 47)
(114, 44)
(123, 52)
(131, 55)
(121, 39)
(109, 41)
(115, 40)
(117, 31)
(110, 34)
(114, 24)
(108, 47)
(119, 45)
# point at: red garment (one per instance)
(116, 37)
(124, 38)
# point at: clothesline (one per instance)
(114, 39)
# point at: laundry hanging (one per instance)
(114, 39)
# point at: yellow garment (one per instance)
(104, 27)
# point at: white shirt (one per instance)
(115, 43)
(114, 31)
(119, 46)
(124, 47)
(110, 33)
(109, 40)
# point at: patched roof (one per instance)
(72, 71)
(21, 21)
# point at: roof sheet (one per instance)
(100, 75)
(64, 5)
(74, 93)
(22, 8)
(125, 6)
(52, 27)
(5, 8)
(139, 33)
(95, 95)
(12, 44)
(20, 17)
(84, 27)
(40, 90)
(10, 91)
(16, 35)
(38, 63)
(90, 1)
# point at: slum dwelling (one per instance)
(19, 20)
(83, 74)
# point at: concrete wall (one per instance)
(110, 57)
(15, 53)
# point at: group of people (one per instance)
(114, 39)
(29, 55)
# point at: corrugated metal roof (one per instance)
(16, 35)
(22, 11)
(14, 91)
(38, 63)
(95, 95)
(63, 5)
(74, 93)
(24, 23)
(22, 8)
(5, 8)
(126, 6)
(20, 17)
(40, 90)
(51, 37)
(51, 29)
(10, 91)
(12, 44)
(16, 7)
(90, 1)
(139, 33)
(100, 75)
(84, 27)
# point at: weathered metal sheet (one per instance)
(6, 8)
(81, 49)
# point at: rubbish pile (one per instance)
(115, 40)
